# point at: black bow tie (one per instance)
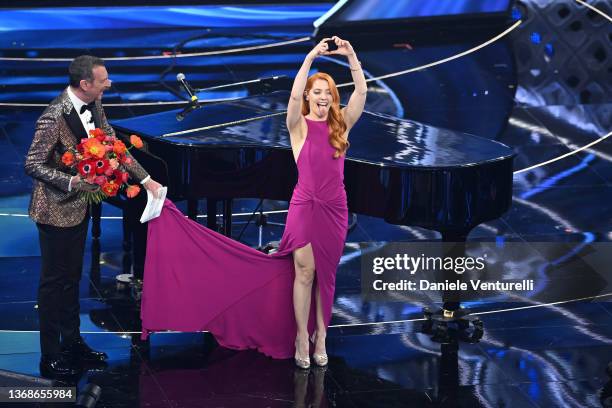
(88, 108)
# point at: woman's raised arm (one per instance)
(294, 108)
(356, 102)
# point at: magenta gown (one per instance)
(197, 279)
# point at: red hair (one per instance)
(335, 120)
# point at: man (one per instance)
(61, 213)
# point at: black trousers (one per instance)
(62, 252)
(132, 212)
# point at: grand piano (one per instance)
(402, 171)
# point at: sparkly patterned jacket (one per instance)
(58, 129)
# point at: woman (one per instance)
(318, 129)
(197, 279)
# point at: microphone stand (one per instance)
(260, 85)
(254, 86)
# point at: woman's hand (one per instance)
(320, 49)
(344, 47)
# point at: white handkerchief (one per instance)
(154, 205)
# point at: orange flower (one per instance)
(119, 147)
(98, 134)
(93, 148)
(132, 191)
(110, 188)
(68, 158)
(136, 141)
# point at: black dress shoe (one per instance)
(79, 350)
(57, 368)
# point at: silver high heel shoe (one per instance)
(320, 359)
(303, 363)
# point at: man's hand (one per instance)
(153, 186)
(78, 184)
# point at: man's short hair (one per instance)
(81, 68)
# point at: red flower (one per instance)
(110, 188)
(120, 176)
(68, 158)
(100, 180)
(136, 141)
(101, 166)
(132, 191)
(119, 147)
(86, 167)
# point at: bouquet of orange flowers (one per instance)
(98, 160)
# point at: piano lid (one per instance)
(260, 122)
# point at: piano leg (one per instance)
(211, 214)
(192, 209)
(452, 299)
(452, 322)
(227, 217)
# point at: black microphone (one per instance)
(181, 78)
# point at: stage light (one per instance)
(549, 49)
